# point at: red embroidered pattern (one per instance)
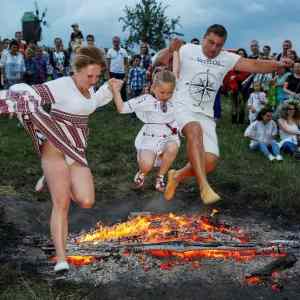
(44, 92)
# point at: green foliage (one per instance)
(147, 22)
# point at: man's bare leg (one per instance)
(199, 164)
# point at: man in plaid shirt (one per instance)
(136, 77)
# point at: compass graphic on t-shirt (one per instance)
(202, 88)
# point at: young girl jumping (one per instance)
(157, 142)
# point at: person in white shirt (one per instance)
(289, 123)
(157, 142)
(202, 69)
(262, 133)
(117, 63)
(257, 100)
(60, 137)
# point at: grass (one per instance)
(245, 179)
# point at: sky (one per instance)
(268, 21)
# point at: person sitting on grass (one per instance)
(256, 101)
(157, 142)
(262, 133)
(289, 123)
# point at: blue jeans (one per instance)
(271, 149)
(289, 147)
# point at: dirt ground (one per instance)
(19, 218)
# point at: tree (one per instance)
(148, 23)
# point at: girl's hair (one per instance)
(266, 109)
(88, 56)
(284, 109)
(164, 76)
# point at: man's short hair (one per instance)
(218, 30)
(254, 42)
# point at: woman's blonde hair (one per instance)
(164, 76)
(88, 56)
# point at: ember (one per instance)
(184, 238)
(169, 240)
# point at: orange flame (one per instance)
(77, 260)
(158, 228)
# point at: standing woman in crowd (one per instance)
(13, 65)
(60, 137)
(59, 59)
(233, 84)
(289, 123)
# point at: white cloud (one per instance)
(270, 21)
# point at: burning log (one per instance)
(280, 264)
(266, 274)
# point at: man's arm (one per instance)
(164, 56)
(262, 66)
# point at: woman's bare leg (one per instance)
(82, 185)
(57, 174)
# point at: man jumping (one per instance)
(201, 73)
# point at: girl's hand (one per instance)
(253, 110)
(115, 84)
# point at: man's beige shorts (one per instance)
(184, 116)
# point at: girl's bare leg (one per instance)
(146, 159)
(168, 158)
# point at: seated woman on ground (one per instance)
(289, 123)
(157, 142)
(262, 133)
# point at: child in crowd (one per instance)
(136, 77)
(262, 133)
(157, 142)
(256, 102)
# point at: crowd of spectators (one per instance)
(268, 102)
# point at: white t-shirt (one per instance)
(200, 77)
(68, 98)
(159, 122)
(151, 112)
(260, 132)
(117, 60)
(284, 136)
